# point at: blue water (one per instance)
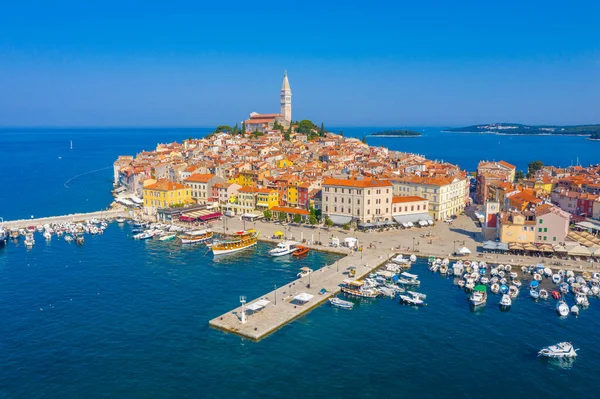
(90, 322)
(129, 319)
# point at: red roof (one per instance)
(200, 178)
(165, 185)
(409, 198)
(352, 182)
(287, 209)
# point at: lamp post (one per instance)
(243, 302)
(319, 235)
(413, 244)
(275, 288)
(308, 286)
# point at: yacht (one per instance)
(284, 248)
(560, 350)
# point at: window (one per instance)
(541, 221)
(406, 209)
(545, 229)
(545, 238)
(335, 208)
(326, 208)
(539, 230)
(336, 189)
(368, 202)
(412, 207)
(334, 199)
(425, 207)
(553, 238)
(358, 201)
(368, 211)
(539, 237)
(342, 191)
(349, 210)
(387, 210)
(342, 200)
(418, 207)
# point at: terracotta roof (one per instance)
(200, 177)
(255, 190)
(165, 185)
(288, 209)
(365, 182)
(409, 198)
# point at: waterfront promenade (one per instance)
(75, 217)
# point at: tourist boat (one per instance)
(535, 294)
(513, 291)
(240, 241)
(168, 237)
(408, 279)
(304, 271)
(543, 294)
(301, 250)
(479, 296)
(575, 310)
(560, 350)
(284, 248)
(340, 303)
(358, 288)
(505, 302)
(562, 308)
(197, 236)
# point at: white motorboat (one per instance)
(513, 291)
(385, 291)
(304, 271)
(417, 295)
(544, 294)
(284, 248)
(505, 302)
(413, 258)
(470, 284)
(443, 269)
(400, 260)
(556, 278)
(120, 220)
(495, 288)
(517, 283)
(581, 299)
(478, 297)
(408, 279)
(513, 275)
(562, 308)
(533, 293)
(410, 300)
(29, 241)
(143, 236)
(575, 310)
(560, 350)
(484, 280)
(340, 303)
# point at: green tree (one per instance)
(312, 219)
(519, 175)
(243, 131)
(533, 167)
(236, 129)
(282, 217)
(268, 214)
(322, 131)
(328, 222)
(364, 139)
(346, 226)
(342, 133)
(287, 136)
(305, 127)
(297, 218)
(223, 128)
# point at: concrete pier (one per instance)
(76, 217)
(282, 308)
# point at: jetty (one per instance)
(72, 218)
(266, 314)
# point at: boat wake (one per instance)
(66, 184)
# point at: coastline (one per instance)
(516, 134)
(394, 136)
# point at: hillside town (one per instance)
(275, 168)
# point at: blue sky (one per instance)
(377, 63)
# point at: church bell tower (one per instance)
(286, 99)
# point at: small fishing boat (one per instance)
(582, 300)
(543, 294)
(29, 241)
(560, 350)
(479, 296)
(413, 258)
(79, 239)
(513, 291)
(340, 303)
(301, 250)
(411, 300)
(168, 237)
(533, 293)
(562, 308)
(575, 310)
(495, 288)
(143, 236)
(556, 295)
(408, 279)
(505, 302)
(564, 288)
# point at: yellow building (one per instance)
(165, 194)
(292, 195)
(284, 163)
(516, 227)
(266, 198)
(251, 178)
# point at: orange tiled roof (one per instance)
(165, 185)
(353, 182)
(200, 178)
(409, 198)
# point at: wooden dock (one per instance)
(282, 308)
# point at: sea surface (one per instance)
(43, 176)
(123, 318)
(129, 319)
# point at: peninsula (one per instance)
(516, 128)
(397, 133)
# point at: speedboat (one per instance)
(120, 219)
(304, 271)
(411, 300)
(301, 250)
(484, 280)
(413, 258)
(143, 236)
(505, 302)
(283, 248)
(564, 288)
(562, 308)
(556, 278)
(168, 237)
(575, 310)
(340, 303)
(543, 294)
(562, 349)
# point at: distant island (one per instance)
(595, 136)
(397, 133)
(516, 128)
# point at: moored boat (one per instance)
(340, 303)
(505, 302)
(301, 250)
(479, 296)
(560, 350)
(168, 237)
(304, 271)
(358, 288)
(284, 248)
(575, 310)
(240, 241)
(562, 308)
(543, 294)
(197, 236)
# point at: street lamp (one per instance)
(308, 286)
(413, 244)
(275, 288)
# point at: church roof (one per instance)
(286, 83)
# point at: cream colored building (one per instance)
(360, 200)
(447, 196)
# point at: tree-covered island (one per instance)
(397, 133)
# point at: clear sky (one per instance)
(368, 63)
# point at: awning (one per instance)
(579, 251)
(340, 220)
(366, 225)
(211, 216)
(414, 218)
(258, 305)
(137, 200)
(502, 246)
(304, 297)
(430, 222)
(186, 218)
(423, 223)
(278, 234)
(464, 251)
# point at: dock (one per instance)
(73, 218)
(281, 307)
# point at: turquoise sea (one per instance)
(129, 319)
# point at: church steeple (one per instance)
(286, 98)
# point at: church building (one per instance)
(264, 122)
